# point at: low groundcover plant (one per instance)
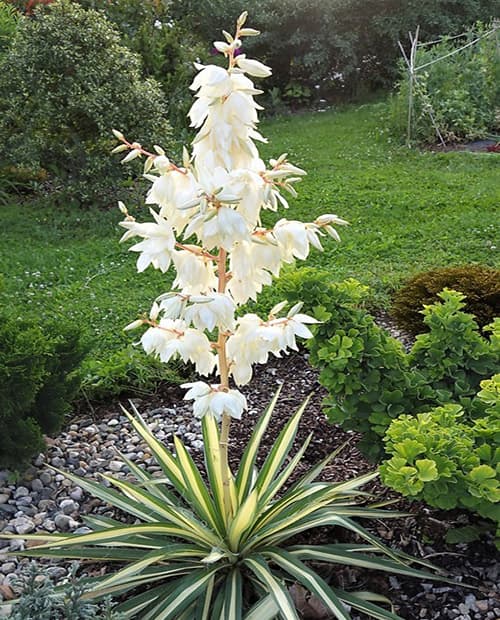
(213, 544)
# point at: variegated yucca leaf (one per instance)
(184, 557)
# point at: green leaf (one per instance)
(359, 603)
(481, 473)
(233, 601)
(277, 590)
(409, 449)
(279, 451)
(196, 491)
(265, 609)
(427, 470)
(188, 589)
(309, 579)
(247, 463)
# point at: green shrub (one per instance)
(363, 368)
(38, 378)
(453, 358)
(447, 460)
(66, 82)
(341, 46)
(129, 370)
(461, 91)
(40, 600)
(167, 50)
(8, 24)
(480, 285)
(370, 379)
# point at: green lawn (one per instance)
(408, 211)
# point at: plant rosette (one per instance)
(213, 545)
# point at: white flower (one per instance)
(172, 305)
(195, 272)
(218, 227)
(251, 265)
(217, 310)
(171, 191)
(158, 244)
(253, 67)
(215, 400)
(246, 347)
(227, 115)
(173, 338)
(254, 339)
(215, 81)
(292, 238)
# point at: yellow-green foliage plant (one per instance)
(216, 544)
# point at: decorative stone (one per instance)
(23, 525)
(68, 506)
(116, 465)
(21, 492)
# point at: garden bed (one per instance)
(45, 500)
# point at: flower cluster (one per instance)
(207, 222)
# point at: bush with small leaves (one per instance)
(447, 459)
(480, 284)
(66, 82)
(371, 380)
(453, 358)
(364, 369)
(39, 376)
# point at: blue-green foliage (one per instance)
(40, 601)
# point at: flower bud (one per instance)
(133, 325)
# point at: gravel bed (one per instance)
(44, 500)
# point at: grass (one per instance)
(408, 211)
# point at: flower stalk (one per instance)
(216, 197)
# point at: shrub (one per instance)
(66, 82)
(364, 369)
(8, 24)
(40, 599)
(447, 460)
(342, 46)
(129, 371)
(453, 358)
(461, 91)
(479, 284)
(38, 378)
(370, 379)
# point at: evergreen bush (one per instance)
(39, 376)
(479, 284)
(447, 460)
(66, 82)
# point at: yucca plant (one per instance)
(183, 556)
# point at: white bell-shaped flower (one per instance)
(215, 400)
(158, 244)
(216, 310)
(195, 272)
(173, 338)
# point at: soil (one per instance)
(477, 146)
